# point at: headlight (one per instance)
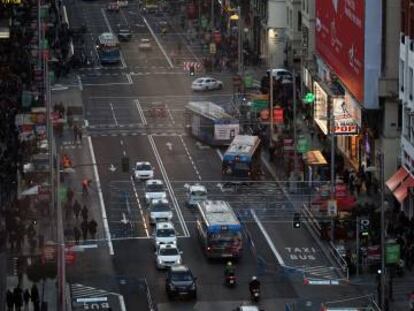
(193, 286)
(172, 287)
(179, 261)
(159, 260)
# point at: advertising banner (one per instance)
(225, 131)
(346, 117)
(340, 40)
(321, 108)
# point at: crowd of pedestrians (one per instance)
(19, 298)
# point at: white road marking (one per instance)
(158, 43)
(267, 238)
(122, 302)
(129, 78)
(141, 210)
(190, 157)
(169, 187)
(79, 82)
(219, 154)
(101, 199)
(106, 84)
(140, 112)
(170, 114)
(113, 114)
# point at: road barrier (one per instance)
(315, 229)
(152, 306)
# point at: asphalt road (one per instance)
(118, 104)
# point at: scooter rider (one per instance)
(229, 269)
(254, 284)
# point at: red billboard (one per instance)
(339, 39)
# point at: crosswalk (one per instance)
(83, 291)
(321, 273)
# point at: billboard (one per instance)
(340, 40)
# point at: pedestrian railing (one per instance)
(151, 304)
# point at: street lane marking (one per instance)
(190, 157)
(169, 187)
(122, 302)
(101, 199)
(158, 43)
(79, 82)
(268, 239)
(140, 112)
(141, 210)
(219, 154)
(113, 114)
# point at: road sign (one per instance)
(212, 48)
(188, 65)
(303, 145)
(392, 253)
(248, 80)
(332, 208)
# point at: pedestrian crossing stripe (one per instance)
(323, 272)
(81, 291)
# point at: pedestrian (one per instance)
(84, 228)
(9, 300)
(80, 135)
(358, 185)
(17, 298)
(26, 299)
(85, 186)
(311, 133)
(77, 234)
(75, 132)
(70, 194)
(34, 297)
(76, 209)
(92, 228)
(84, 213)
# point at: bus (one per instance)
(219, 230)
(107, 46)
(242, 158)
(210, 123)
(151, 6)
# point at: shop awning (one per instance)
(315, 157)
(401, 192)
(396, 179)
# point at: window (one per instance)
(287, 16)
(299, 20)
(401, 73)
(400, 116)
(406, 131)
(410, 82)
(303, 5)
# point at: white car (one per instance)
(154, 190)
(281, 74)
(160, 211)
(122, 4)
(167, 255)
(196, 193)
(164, 233)
(145, 44)
(206, 83)
(143, 170)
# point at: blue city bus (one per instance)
(210, 123)
(219, 230)
(107, 46)
(242, 160)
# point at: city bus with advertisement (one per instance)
(210, 123)
(219, 230)
(107, 46)
(242, 160)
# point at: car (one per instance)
(124, 34)
(196, 193)
(154, 189)
(206, 83)
(145, 44)
(181, 282)
(281, 74)
(143, 170)
(160, 211)
(167, 256)
(122, 4)
(164, 233)
(247, 307)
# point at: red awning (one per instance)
(398, 177)
(401, 192)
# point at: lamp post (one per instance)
(383, 269)
(237, 17)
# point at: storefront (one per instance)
(401, 184)
(346, 118)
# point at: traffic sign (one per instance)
(392, 253)
(248, 80)
(302, 145)
(212, 48)
(332, 208)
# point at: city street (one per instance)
(118, 103)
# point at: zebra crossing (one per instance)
(83, 291)
(321, 273)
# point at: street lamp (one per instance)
(237, 17)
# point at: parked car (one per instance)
(281, 74)
(206, 83)
(167, 255)
(124, 34)
(164, 233)
(181, 282)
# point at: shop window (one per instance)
(410, 82)
(401, 73)
(400, 115)
(299, 20)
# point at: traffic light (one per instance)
(296, 221)
(364, 227)
(192, 70)
(125, 164)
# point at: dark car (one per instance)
(181, 282)
(124, 34)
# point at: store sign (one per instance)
(340, 40)
(345, 116)
(320, 108)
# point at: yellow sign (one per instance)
(213, 48)
(11, 1)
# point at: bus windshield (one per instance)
(107, 47)
(224, 237)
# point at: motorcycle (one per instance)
(230, 280)
(255, 294)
